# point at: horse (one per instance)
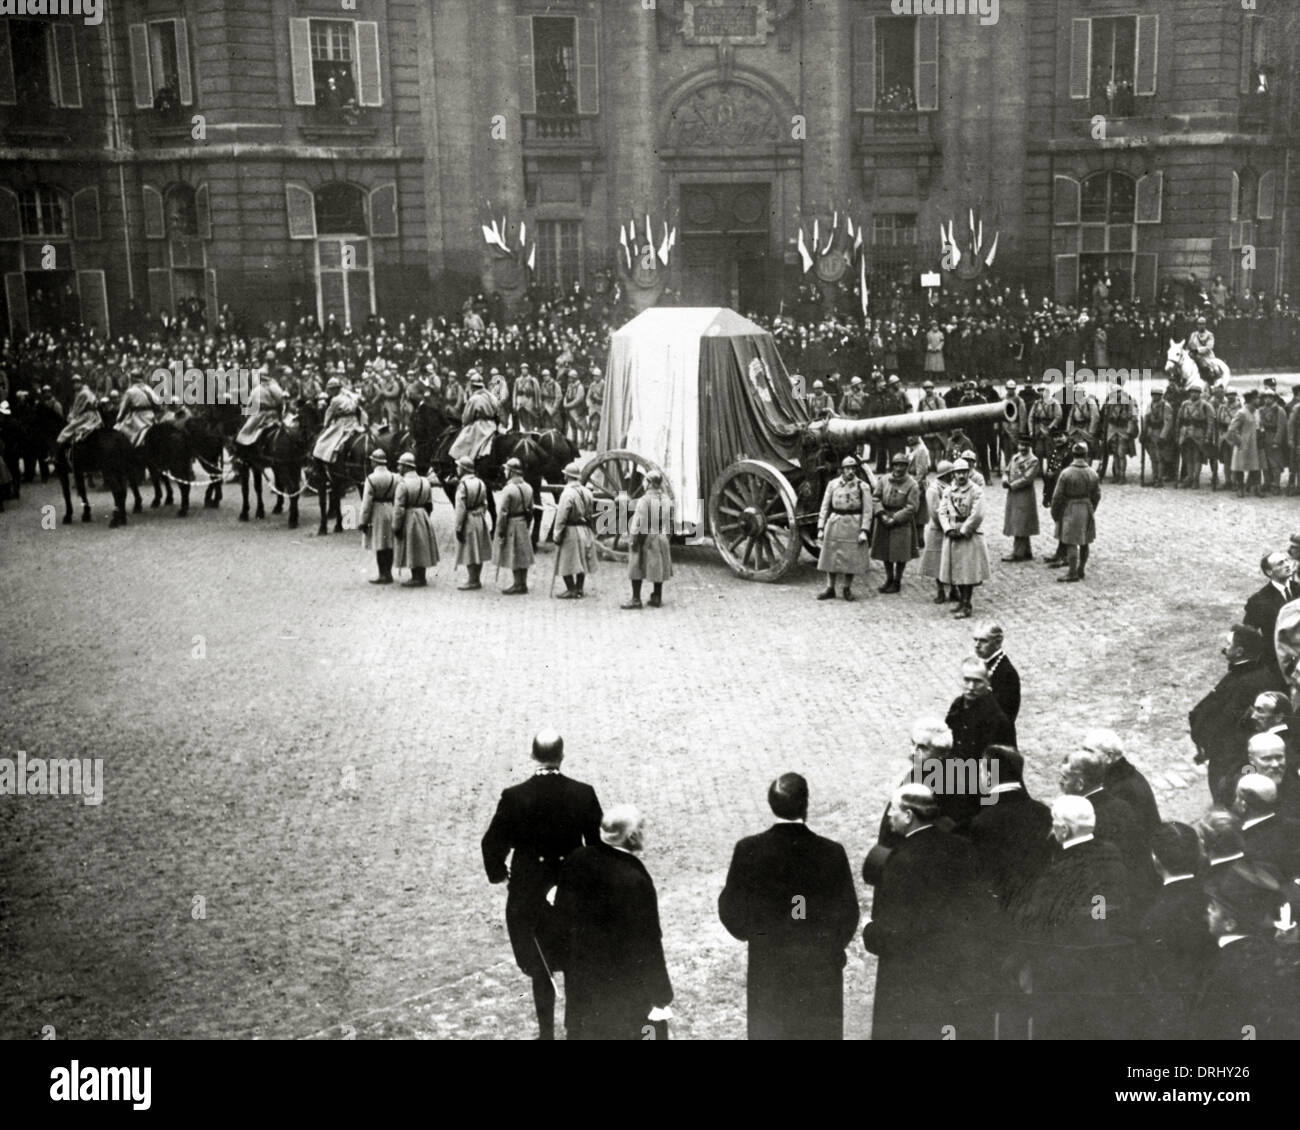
(170, 451)
(284, 449)
(1179, 361)
(108, 451)
(349, 469)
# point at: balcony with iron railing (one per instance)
(886, 127)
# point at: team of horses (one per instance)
(283, 454)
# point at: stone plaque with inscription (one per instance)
(726, 21)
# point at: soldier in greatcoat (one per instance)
(896, 501)
(1195, 422)
(1075, 500)
(514, 543)
(528, 395)
(1020, 518)
(417, 548)
(473, 538)
(650, 558)
(376, 523)
(932, 557)
(965, 561)
(575, 515)
(844, 525)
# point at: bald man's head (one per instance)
(1267, 755)
(1072, 816)
(1082, 771)
(548, 747)
(1256, 795)
(623, 826)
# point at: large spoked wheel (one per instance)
(617, 479)
(752, 514)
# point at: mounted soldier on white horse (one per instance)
(1194, 359)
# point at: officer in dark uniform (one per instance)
(541, 821)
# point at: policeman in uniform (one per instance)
(541, 821)
(377, 514)
(843, 527)
(514, 546)
(1195, 420)
(473, 539)
(575, 514)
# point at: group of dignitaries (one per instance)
(397, 523)
(907, 514)
(994, 915)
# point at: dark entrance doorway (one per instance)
(726, 257)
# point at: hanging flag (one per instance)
(672, 238)
(663, 246)
(622, 236)
(835, 220)
(862, 282)
(979, 238)
(650, 240)
(830, 238)
(489, 236)
(970, 212)
(952, 243)
(848, 223)
(523, 234)
(857, 242)
(505, 231)
(943, 238)
(816, 235)
(803, 252)
(993, 250)
(532, 257)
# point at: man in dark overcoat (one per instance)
(790, 895)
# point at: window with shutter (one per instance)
(1080, 57)
(85, 213)
(210, 295)
(527, 88)
(93, 293)
(180, 39)
(65, 56)
(202, 212)
(1067, 279)
(894, 65)
(1065, 200)
(1150, 198)
(16, 297)
(301, 208)
(10, 226)
(160, 291)
(8, 90)
(864, 62)
(555, 65)
(1267, 195)
(1234, 199)
(300, 51)
(155, 226)
(383, 210)
(927, 64)
(588, 66)
(1148, 54)
(141, 79)
(369, 92)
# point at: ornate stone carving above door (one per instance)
(717, 116)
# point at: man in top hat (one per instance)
(344, 418)
(1200, 345)
(473, 539)
(650, 558)
(514, 545)
(574, 408)
(528, 396)
(1074, 502)
(575, 515)
(140, 408)
(376, 523)
(479, 420)
(417, 547)
(552, 399)
(843, 527)
(595, 404)
(821, 405)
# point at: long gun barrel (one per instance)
(841, 433)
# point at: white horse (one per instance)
(1178, 360)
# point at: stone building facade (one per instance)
(395, 155)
